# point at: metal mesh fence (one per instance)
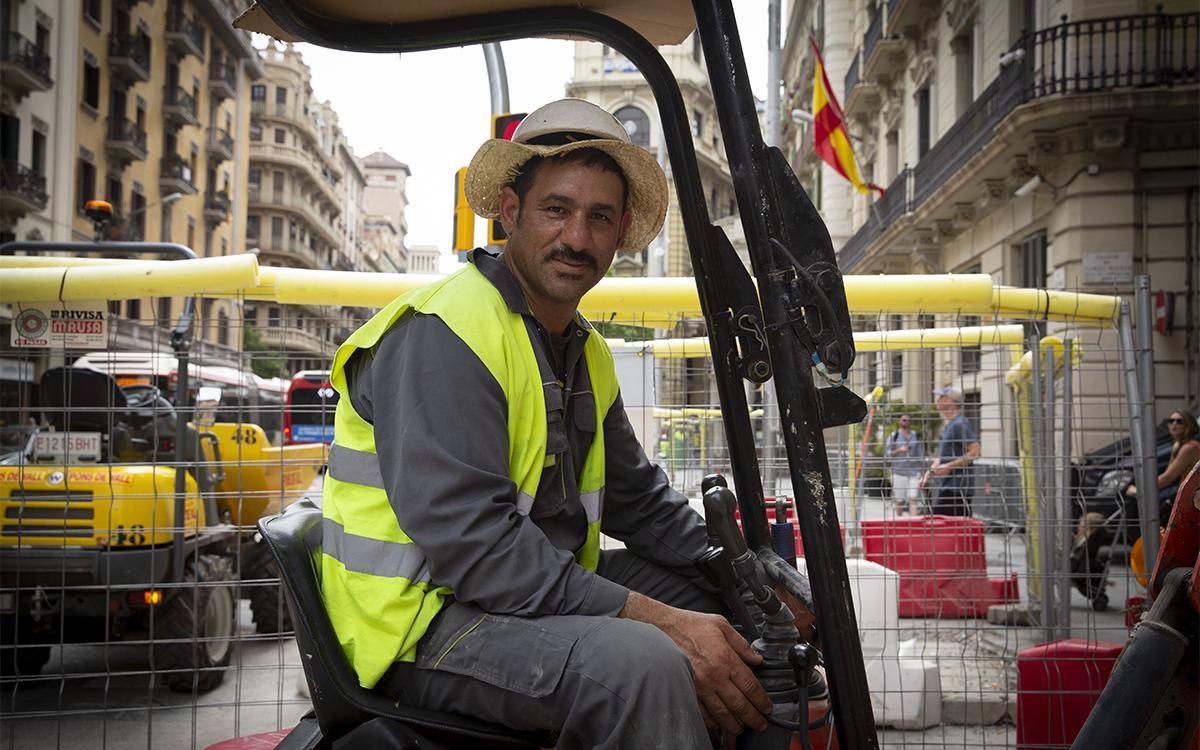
(109, 642)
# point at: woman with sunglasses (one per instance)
(1185, 453)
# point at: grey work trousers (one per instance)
(600, 682)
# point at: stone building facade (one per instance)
(1048, 143)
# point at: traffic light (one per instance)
(463, 237)
(503, 126)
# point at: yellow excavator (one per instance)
(131, 518)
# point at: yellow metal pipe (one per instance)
(50, 261)
(872, 341)
(662, 412)
(635, 300)
(919, 293)
(641, 300)
(1014, 302)
(1021, 372)
(133, 280)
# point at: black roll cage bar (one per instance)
(796, 321)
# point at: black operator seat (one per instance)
(348, 714)
(79, 399)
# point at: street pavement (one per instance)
(91, 697)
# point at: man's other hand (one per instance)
(731, 697)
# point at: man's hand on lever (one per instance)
(731, 697)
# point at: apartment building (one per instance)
(385, 203)
(1049, 143)
(37, 116)
(297, 194)
(606, 78)
(354, 255)
(141, 104)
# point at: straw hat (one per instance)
(559, 128)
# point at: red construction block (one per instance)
(941, 562)
(1057, 685)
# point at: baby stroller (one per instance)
(1091, 552)
(1098, 534)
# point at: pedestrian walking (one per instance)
(950, 477)
(904, 450)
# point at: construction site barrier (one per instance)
(948, 608)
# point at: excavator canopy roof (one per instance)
(659, 21)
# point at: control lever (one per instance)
(712, 480)
(804, 659)
(706, 484)
(719, 504)
(717, 570)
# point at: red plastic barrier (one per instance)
(1057, 685)
(791, 516)
(941, 562)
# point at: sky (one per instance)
(431, 110)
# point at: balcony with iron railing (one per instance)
(222, 80)
(179, 107)
(293, 339)
(24, 66)
(1077, 58)
(22, 190)
(219, 145)
(879, 48)
(286, 111)
(184, 36)
(135, 231)
(175, 175)
(293, 249)
(125, 142)
(852, 78)
(302, 207)
(129, 56)
(891, 206)
(216, 206)
(298, 158)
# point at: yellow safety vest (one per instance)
(374, 580)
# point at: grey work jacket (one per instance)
(442, 438)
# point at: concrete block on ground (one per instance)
(906, 692)
(905, 688)
(974, 693)
(1019, 614)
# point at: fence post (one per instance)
(1148, 525)
(1049, 521)
(1147, 481)
(1036, 547)
(1066, 533)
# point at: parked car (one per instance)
(998, 499)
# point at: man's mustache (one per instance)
(571, 256)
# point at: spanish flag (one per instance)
(829, 129)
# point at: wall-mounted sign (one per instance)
(1108, 268)
(60, 325)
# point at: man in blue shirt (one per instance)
(958, 447)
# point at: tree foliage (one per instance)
(264, 362)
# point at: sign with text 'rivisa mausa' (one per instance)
(60, 325)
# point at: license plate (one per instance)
(7, 603)
(67, 446)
